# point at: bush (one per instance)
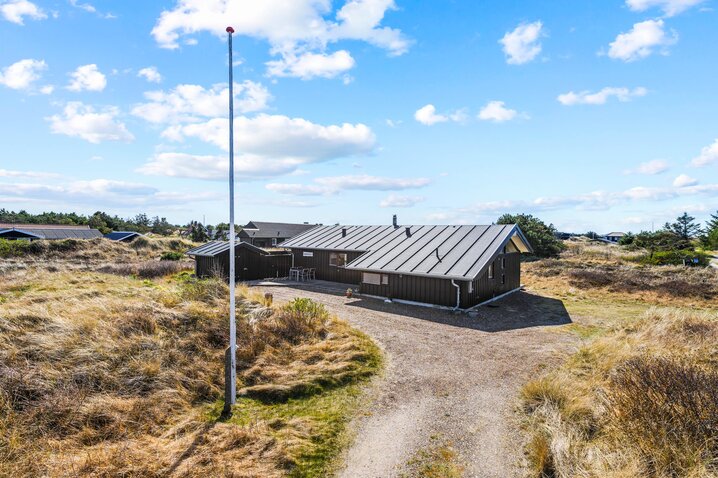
(542, 237)
(171, 256)
(675, 258)
(668, 409)
(300, 319)
(145, 270)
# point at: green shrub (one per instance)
(675, 258)
(171, 256)
(300, 319)
(20, 248)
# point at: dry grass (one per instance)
(111, 375)
(638, 402)
(439, 460)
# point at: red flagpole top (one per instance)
(230, 30)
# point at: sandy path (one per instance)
(448, 375)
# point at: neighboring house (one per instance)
(271, 234)
(251, 262)
(454, 266)
(613, 237)
(33, 232)
(123, 236)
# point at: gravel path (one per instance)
(447, 375)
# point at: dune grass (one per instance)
(118, 375)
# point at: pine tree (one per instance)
(685, 227)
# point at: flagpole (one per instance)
(231, 390)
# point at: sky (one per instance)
(594, 115)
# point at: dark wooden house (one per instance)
(34, 232)
(251, 262)
(453, 266)
(270, 234)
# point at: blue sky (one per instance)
(593, 115)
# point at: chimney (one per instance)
(344, 232)
(408, 231)
(393, 220)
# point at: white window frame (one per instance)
(503, 262)
(374, 278)
(491, 270)
(274, 241)
(333, 256)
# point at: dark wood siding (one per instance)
(324, 271)
(485, 288)
(250, 265)
(418, 289)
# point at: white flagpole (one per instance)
(232, 390)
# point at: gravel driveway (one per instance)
(447, 375)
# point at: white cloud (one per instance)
(47, 89)
(709, 155)
(22, 74)
(394, 200)
(187, 103)
(6, 173)
(150, 74)
(641, 41)
(311, 65)
(497, 112)
(326, 186)
(601, 97)
(88, 7)
(684, 180)
(82, 121)
(296, 30)
(427, 115)
(522, 44)
(15, 10)
(669, 7)
(655, 166)
(87, 78)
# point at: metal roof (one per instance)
(41, 231)
(214, 248)
(121, 235)
(268, 230)
(449, 252)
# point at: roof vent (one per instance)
(393, 220)
(408, 231)
(344, 232)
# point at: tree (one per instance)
(685, 227)
(542, 237)
(627, 239)
(197, 232)
(591, 235)
(710, 236)
(161, 226)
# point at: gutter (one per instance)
(458, 294)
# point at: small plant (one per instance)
(268, 299)
(350, 293)
(171, 256)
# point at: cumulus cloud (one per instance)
(191, 103)
(683, 180)
(523, 43)
(709, 155)
(87, 78)
(497, 112)
(395, 200)
(15, 11)
(83, 121)
(641, 41)
(601, 97)
(428, 116)
(311, 65)
(22, 74)
(650, 168)
(298, 31)
(669, 7)
(150, 74)
(327, 186)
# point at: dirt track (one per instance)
(447, 375)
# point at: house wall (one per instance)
(485, 288)
(320, 262)
(418, 289)
(249, 265)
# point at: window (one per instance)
(503, 263)
(503, 279)
(375, 279)
(274, 241)
(491, 270)
(307, 254)
(337, 259)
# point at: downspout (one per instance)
(458, 294)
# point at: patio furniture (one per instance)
(295, 273)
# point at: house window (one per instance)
(503, 279)
(503, 263)
(274, 241)
(491, 270)
(375, 279)
(337, 259)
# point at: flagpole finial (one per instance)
(230, 30)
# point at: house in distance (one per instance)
(270, 234)
(49, 232)
(453, 266)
